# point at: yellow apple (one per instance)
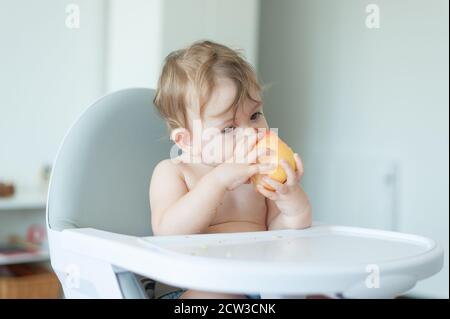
(276, 150)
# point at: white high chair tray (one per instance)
(355, 261)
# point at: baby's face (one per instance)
(221, 126)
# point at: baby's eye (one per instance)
(256, 116)
(228, 129)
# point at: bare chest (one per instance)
(242, 209)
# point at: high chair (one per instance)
(101, 243)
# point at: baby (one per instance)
(210, 98)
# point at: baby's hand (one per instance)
(288, 197)
(238, 169)
(231, 176)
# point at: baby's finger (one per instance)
(258, 169)
(266, 168)
(254, 154)
(291, 175)
(266, 193)
(259, 153)
(253, 170)
(299, 163)
(280, 188)
(244, 146)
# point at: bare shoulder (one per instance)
(167, 167)
(166, 174)
(166, 187)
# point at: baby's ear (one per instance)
(182, 138)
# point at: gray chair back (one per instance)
(102, 172)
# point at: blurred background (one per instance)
(359, 88)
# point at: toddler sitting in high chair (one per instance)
(210, 98)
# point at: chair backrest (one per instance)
(101, 175)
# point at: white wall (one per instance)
(141, 33)
(134, 41)
(234, 23)
(367, 109)
(49, 74)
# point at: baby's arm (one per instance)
(175, 209)
(288, 206)
(277, 220)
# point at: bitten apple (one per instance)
(276, 150)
